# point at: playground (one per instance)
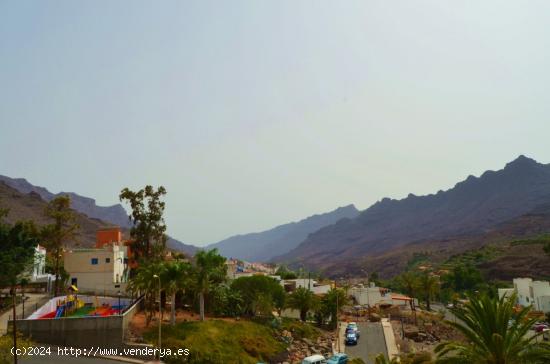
(75, 305)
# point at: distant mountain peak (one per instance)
(522, 161)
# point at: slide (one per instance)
(59, 312)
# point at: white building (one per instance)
(529, 293)
(98, 271)
(311, 284)
(39, 264)
(371, 295)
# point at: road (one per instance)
(370, 343)
(449, 316)
(33, 300)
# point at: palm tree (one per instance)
(381, 359)
(429, 286)
(495, 335)
(210, 268)
(144, 282)
(175, 277)
(302, 299)
(409, 283)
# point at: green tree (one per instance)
(144, 282)
(409, 283)
(225, 301)
(331, 305)
(260, 294)
(285, 273)
(547, 248)
(175, 277)
(148, 229)
(56, 235)
(494, 333)
(17, 243)
(210, 269)
(303, 300)
(429, 286)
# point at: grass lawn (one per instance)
(219, 341)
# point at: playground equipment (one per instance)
(73, 305)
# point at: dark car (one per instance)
(351, 338)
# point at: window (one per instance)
(94, 261)
(74, 281)
(107, 260)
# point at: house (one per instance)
(99, 271)
(371, 295)
(290, 285)
(529, 293)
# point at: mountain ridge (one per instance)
(471, 206)
(264, 245)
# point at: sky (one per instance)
(257, 113)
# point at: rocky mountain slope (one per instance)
(474, 206)
(114, 215)
(263, 246)
(30, 206)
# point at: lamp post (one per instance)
(119, 307)
(160, 316)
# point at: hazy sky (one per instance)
(256, 113)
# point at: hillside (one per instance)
(263, 246)
(471, 208)
(114, 214)
(510, 249)
(31, 207)
(92, 216)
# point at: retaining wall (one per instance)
(80, 332)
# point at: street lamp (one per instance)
(119, 307)
(160, 315)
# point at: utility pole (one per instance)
(14, 325)
(337, 324)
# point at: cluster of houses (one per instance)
(529, 293)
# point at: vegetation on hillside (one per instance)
(219, 341)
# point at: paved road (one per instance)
(449, 316)
(33, 300)
(370, 343)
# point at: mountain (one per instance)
(267, 244)
(30, 206)
(508, 250)
(114, 214)
(471, 207)
(109, 215)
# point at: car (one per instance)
(314, 359)
(352, 326)
(338, 358)
(351, 338)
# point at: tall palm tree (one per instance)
(429, 286)
(144, 282)
(302, 299)
(495, 335)
(175, 277)
(210, 268)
